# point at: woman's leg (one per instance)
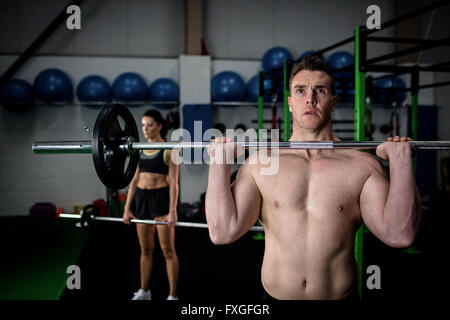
(146, 236)
(166, 238)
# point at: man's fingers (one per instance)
(399, 139)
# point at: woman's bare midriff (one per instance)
(148, 180)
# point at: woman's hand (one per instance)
(127, 216)
(171, 218)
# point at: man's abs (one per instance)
(313, 271)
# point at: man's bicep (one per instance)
(372, 202)
(247, 197)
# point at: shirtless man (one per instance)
(313, 206)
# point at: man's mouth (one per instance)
(310, 112)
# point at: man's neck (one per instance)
(326, 133)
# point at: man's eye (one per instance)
(300, 90)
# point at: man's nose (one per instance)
(310, 96)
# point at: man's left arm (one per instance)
(392, 210)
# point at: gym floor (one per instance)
(36, 254)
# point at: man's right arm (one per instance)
(231, 210)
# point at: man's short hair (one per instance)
(312, 63)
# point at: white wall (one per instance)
(246, 29)
(232, 29)
(108, 27)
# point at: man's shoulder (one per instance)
(368, 160)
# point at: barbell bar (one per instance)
(154, 222)
(115, 146)
(62, 147)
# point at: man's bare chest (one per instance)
(326, 181)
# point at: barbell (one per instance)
(115, 146)
(90, 214)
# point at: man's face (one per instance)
(311, 101)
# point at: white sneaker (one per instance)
(142, 295)
(172, 298)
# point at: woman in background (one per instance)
(154, 190)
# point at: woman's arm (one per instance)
(127, 214)
(172, 178)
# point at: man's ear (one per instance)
(289, 103)
(335, 102)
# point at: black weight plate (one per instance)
(87, 216)
(115, 167)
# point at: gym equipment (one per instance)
(115, 166)
(164, 89)
(16, 91)
(273, 59)
(339, 60)
(115, 142)
(384, 91)
(94, 88)
(90, 215)
(253, 89)
(53, 85)
(227, 86)
(129, 86)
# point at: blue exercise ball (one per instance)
(309, 53)
(227, 86)
(94, 88)
(129, 86)
(274, 59)
(338, 60)
(164, 89)
(381, 95)
(253, 89)
(53, 85)
(16, 91)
